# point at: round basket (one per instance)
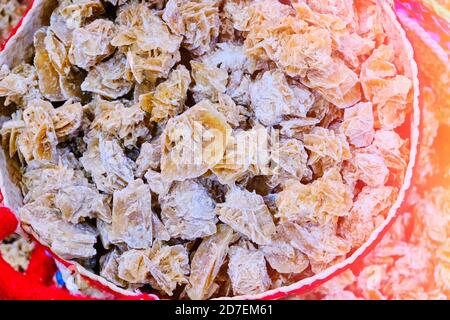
(19, 47)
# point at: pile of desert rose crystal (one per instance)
(207, 148)
(10, 13)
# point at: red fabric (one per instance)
(17, 286)
(8, 223)
(42, 267)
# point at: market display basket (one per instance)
(38, 281)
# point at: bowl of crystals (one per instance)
(200, 149)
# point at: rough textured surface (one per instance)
(209, 113)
